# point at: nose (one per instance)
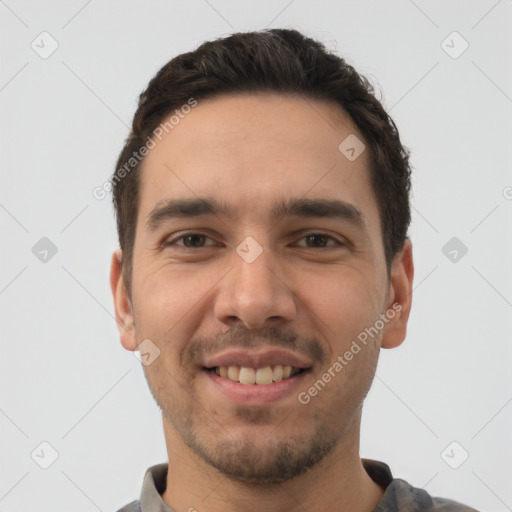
(254, 293)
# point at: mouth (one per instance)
(254, 387)
(256, 376)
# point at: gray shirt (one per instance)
(398, 496)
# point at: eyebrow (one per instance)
(299, 207)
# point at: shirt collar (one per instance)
(155, 482)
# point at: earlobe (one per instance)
(122, 303)
(399, 303)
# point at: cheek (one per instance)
(168, 301)
(343, 303)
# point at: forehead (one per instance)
(253, 151)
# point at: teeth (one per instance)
(233, 372)
(247, 375)
(264, 375)
(277, 374)
(260, 376)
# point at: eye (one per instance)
(193, 240)
(319, 240)
(190, 241)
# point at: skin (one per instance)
(251, 151)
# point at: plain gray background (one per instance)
(64, 377)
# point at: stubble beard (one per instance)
(272, 462)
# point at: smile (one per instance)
(256, 376)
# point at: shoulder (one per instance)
(134, 506)
(400, 496)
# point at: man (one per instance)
(262, 202)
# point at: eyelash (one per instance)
(168, 243)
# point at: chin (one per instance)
(267, 462)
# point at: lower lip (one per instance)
(257, 394)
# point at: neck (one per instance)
(338, 482)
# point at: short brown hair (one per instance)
(276, 61)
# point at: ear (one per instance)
(399, 297)
(122, 303)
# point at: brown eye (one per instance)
(190, 241)
(319, 240)
(316, 240)
(193, 240)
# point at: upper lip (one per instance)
(256, 359)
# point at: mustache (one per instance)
(240, 336)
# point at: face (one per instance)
(258, 247)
